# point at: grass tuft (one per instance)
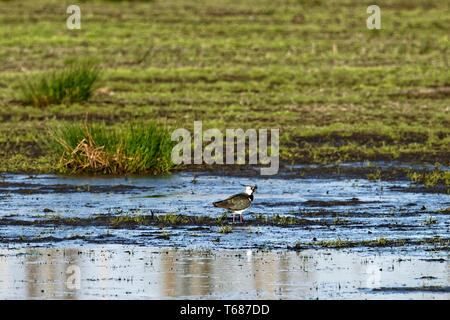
(172, 219)
(119, 221)
(225, 229)
(374, 176)
(430, 179)
(94, 148)
(74, 83)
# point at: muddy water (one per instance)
(142, 273)
(40, 237)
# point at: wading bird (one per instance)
(239, 202)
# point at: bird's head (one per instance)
(250, 189)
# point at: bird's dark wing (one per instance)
(237, 202)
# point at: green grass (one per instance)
(340, 221)
(283, 220)
(374, 176)
(431, 178)
(380, 242)
(172, 219)
(95, 148)
(117, 222)
(222, 219)
(225, 229)
(74, 83)
(382, 95)
(430, 221)
(436, 242)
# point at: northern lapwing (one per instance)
(239, 202)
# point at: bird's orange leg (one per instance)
(241, 217)
(233, 216)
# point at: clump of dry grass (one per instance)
(97, 149)
(87, 156)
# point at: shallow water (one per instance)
(126, 272)
(351, 209)
(196, 261)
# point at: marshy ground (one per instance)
(359, 209)
(384, 239)
(123, 272)
(293, 213)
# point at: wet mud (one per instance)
(320, 215)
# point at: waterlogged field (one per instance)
(359, 208)
(288, 213)
(303, 238)
(123, 272)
